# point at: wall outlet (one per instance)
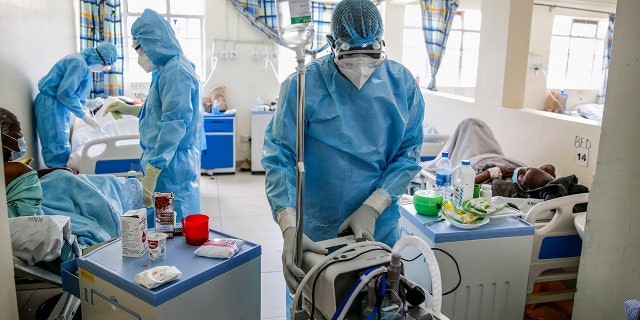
(246, 138)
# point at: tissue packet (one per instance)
(156, 276)
(223, 248)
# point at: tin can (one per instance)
(164, 214)
(157, 246)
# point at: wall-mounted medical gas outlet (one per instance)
(224, 54)
(233, 54)
(246, 138)
(254, 55)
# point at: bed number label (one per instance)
(582, 157)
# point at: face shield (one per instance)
(358, 62)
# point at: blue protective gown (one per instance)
(171, 120)
(63, 91)
(355, 142)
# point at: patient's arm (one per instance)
(504, 173)
(43, 172)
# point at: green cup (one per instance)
(476, 190)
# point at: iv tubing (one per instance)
(325, 260)
(364, 280)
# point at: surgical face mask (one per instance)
(514, 177)
(358, 67)
(96, 68)
(22, 146)
(145, 63)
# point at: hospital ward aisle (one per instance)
(237, 205)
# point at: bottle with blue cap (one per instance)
(463, 180)
(443, 176)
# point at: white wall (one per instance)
(34, 34)
(610, 264)
(245, 79)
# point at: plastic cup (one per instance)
(195, 229)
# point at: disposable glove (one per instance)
(119, 108)
(293, 274)
(86, 118)
(363, 221)
(149, 185)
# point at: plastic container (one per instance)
(463, 183)
(294, 23)
(486, 191)
(427, 202)
(132, 190)
(443, 176)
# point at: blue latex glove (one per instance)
(119, 108)
(363, 221)
(149, 181)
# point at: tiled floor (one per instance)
(237, 205)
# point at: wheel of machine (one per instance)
(45, 309)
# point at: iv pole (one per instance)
(300, 68)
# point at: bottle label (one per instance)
(299, 11)
(443, 180)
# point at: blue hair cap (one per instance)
(357, 22)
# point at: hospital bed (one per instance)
(113, 150)
(556, 247)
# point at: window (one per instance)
(187, 19)
(575, 59)
(459, 65)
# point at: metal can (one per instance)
(157, 246)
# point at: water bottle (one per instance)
(463, 181)
(443, 176)
(563, 101)
(132, 193)
(294, 23)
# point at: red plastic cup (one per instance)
(195, 229)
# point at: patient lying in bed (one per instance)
(473, 140)
(93, 202)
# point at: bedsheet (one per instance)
(473, 140)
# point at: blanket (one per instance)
(473, 140)
(93, 202)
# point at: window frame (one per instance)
(133, 72)
(595, 73)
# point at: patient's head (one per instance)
(11, 135)
(532, 178)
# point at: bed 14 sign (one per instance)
(582, 150)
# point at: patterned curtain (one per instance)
(100, 21)
(437, 16)
(262, 15)
(608, 39)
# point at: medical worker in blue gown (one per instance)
(363, 132)
(64, 90)
(171, 119)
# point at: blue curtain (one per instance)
(100, 21)
(262, 15)
(606, 57)
(437, 16)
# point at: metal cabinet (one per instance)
(220, 155)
